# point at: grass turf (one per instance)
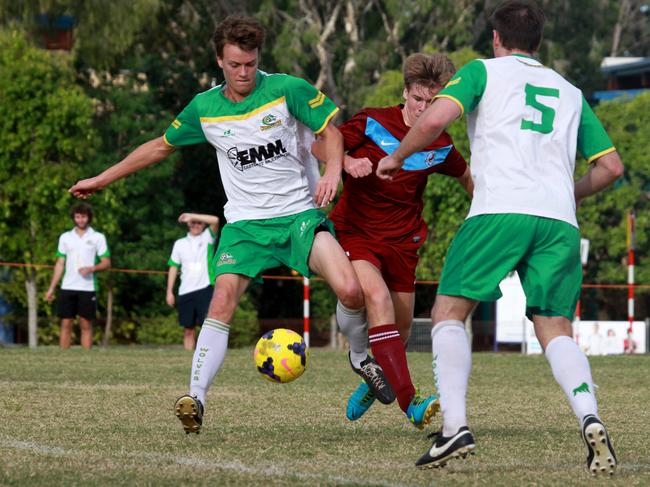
(105, 417)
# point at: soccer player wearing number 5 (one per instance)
(261, 126)
(193, 256)
(81, 252)
(525, 124)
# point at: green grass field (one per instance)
(105, 417)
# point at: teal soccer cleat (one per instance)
(359, 402)
(422, 409)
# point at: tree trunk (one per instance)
(109, 314)
(624, 12)
(32, 307)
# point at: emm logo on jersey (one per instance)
(256, 156)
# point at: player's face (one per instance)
(81, 221)
(239, 69)
(416, 100)
(196, 228)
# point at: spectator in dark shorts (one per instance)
(192, 254)
(77, 255)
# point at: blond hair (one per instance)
(427, 70)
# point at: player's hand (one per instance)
(388, 167)
(184, 218)
(326, 189)
(49, 295)
(84, 271)
(357, 168)
(85, 188)
(170, 299)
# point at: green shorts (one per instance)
(250, 247)
(544, 252)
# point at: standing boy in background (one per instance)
(193, 254)
(81, 252)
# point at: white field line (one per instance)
(228, 465)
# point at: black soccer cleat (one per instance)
(189, 409)
(601, 459)
(444, 448)
(374, 376)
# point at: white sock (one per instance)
(452, 363)
(571, 370)
(353, 324)
(211, 347)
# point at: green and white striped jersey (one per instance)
(525, 125)
(263, 143)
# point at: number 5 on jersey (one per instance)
(548, 113)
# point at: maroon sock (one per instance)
(388, 349)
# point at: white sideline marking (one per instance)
(233, 466)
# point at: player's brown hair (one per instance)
(82, 209)
(244, 32)
(520, 24)
(427, 70)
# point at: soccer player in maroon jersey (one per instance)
(380, 226)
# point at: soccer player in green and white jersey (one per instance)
(525, 124)
(260, 126)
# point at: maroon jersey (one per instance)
(389, 210)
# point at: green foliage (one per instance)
(245, 327)
(104, 31)
(603, 217)
(388, 90)
(160, 330)
(45, 134)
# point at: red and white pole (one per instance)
(631, 245)
(305, 309)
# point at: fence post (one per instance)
(305, 309)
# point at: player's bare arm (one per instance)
(145, 155)
(602, 172)
(332, 141)
(426, 129)
(56, 277)
(104, 264)
(211, 220)
(467, 182)
(355, 167)
(170, 299)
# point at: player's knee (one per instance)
(223, 304)
(379, 300)
(350, 294)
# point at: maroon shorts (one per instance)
(395, 261)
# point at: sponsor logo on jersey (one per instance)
(256, 156)
(430, 159)
(226, 258)
(387, 143)
(228, 133)
(269, 122)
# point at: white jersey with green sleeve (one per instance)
(193, 254)
(525, 125)
(260, 143)
(79, 251)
